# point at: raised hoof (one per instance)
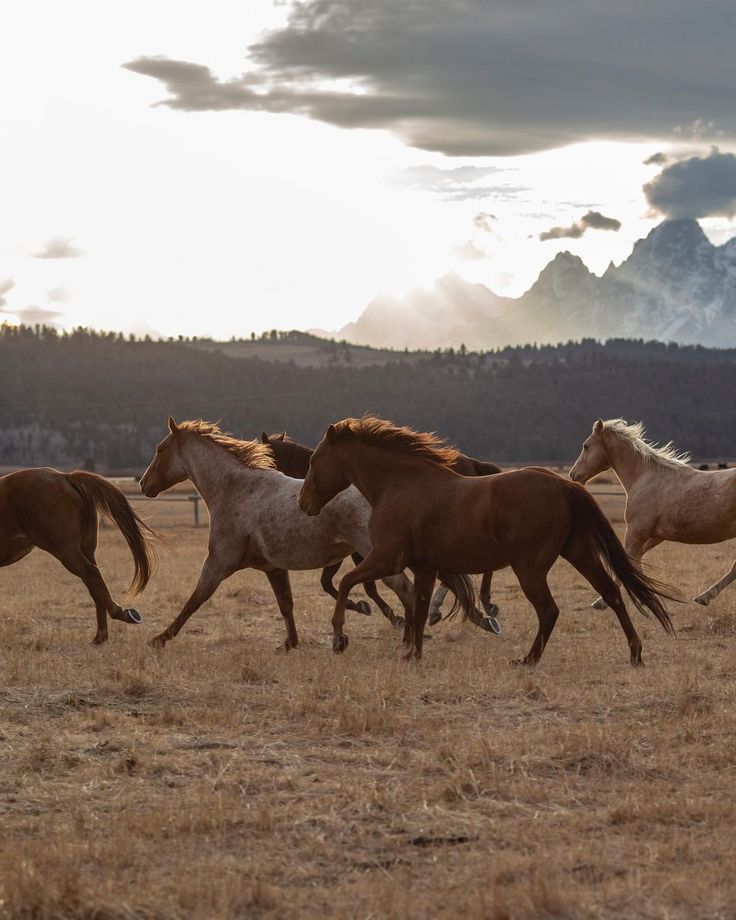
(363, 607)
(132, 616)
(600, 604)
(398, 622)
(339, 643)
(491, 610)
(158, 641)
(490, 625)
(434, 617)
(702, 600)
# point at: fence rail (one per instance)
(194, 499)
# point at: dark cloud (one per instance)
(60, 247)
(31, 315)
(593, 220)
(474, 78)
(696, 187)
(484, 221)
(656, 159)
(5, 286)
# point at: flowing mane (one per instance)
(667, 455)
(422, 445)
(252, 454)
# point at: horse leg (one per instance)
(534, 585)
(635, 546)
(212, 575)
(370, 589)
(423, 587)
(89, 548)
(490, 608)
(328, 573)
(435, 614)
(707, 596)
(371, 567)
(279, 580)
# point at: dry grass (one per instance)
(221, 778)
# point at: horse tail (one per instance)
(646, 593)
(463, 588)
(99, 495)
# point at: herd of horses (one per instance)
(396, 501)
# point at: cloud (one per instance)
(593, 220)
(458, 184)
(5, 286)
(469, 78)
(470, 252)
(696, 187)
(483, 221)
(656, 159)
(31, 315)
(59, 247)
(58, 295)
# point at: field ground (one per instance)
(222, 778)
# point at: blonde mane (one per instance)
(422, 445)
(667, 455)
(253, 454)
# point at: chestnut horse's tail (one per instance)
(463, 587)
(99, 495)
(646, 593)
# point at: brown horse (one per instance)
(58, 512)
(426, 517)
(293, 458)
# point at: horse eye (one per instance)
(586, 446)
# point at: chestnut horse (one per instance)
(255, 520)
(425, 517)
(666, 499)
(59, 512)
(293, 458)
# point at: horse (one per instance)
(293, 459)
(666, 499)
(255, 520)
(59, 513)
(426, 517)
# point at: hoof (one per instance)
(398, 622)
(637, 662)
(491, 610)
(158, 641)
(434, 617)
(600, 604)
(363, 607)
(491, 625)
(701, 599)
(100, 639)
(339, 643)
(132, 616)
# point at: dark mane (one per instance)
(422, 445)
(250, 453)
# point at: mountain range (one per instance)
(675, 286)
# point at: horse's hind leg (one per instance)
(328, 573)
(593, 570)
(370, 568)
(635, 546)
(435, 613)
(707, 596)
(79, 564)
(372, 591)
(534, 585)
(490, 608)
(403, 589)
(279, 580)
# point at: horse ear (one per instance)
(264, 438)
(598, 427)
(331, 433)
(281, 436)
(172, 425)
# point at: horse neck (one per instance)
(291, 459)
(211, 468)
(373, 470)
(627, 463)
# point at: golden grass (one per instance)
(221, 778)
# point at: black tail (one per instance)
(463, 588)
(100, 495)
(646, 593)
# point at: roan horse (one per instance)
(255, 521)
(426, 517)
(58, 512)
(666, 499)
(293, 458)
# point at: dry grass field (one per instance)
(222, 778)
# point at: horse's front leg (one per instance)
(707, 596)
(424, 581)
(435, 613)
(371, 568)
(279, 580)
(214, 571)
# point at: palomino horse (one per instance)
(255, 520)
(58, 512)
(426, 517)
(293, 459)
(666, 499)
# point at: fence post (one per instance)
(195, 501)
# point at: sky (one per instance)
(221, 168)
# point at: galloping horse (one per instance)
(666, 499)
(255, 520)
(426, 517)
(59, 512)
(293, 459)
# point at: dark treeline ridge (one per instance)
(69, 399)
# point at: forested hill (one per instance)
(66, 400)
